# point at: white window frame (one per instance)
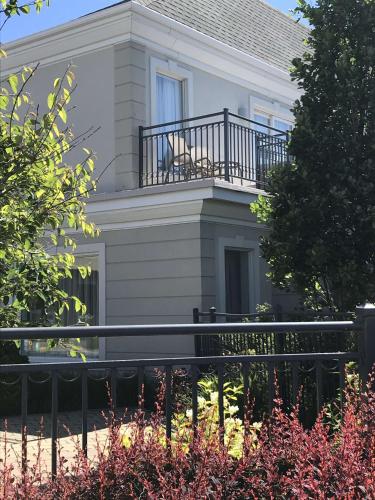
(272, 110)
(97, 250)
(173, 70)
(252, 248)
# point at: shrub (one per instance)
(280, 460)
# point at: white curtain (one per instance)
(169, 109)
(169, 99)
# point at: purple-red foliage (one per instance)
(288, 462)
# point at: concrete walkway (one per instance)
(39, 437)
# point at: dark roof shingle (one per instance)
(250, 26)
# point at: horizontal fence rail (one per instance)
(222, 145)
(66, 332)
(256, 372)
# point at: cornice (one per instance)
(132, 21)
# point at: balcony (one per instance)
(220, 145)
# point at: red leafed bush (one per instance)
(283, 461)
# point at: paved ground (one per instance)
(39, 437)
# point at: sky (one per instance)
(62, 11)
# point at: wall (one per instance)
(230, 225)
(153, 275)
(91, 106)
(130, 110)
(213, 94)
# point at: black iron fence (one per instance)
(270, 342)
(222, 145)
(256, 371)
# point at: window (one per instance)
(268, 143)
(87, 290)
(264, 120)
(169, 99)
(171, 91)
(269, 120)
(282, 125)
(169, 108)
(236, 281)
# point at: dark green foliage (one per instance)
(10, 394)
(321, 213)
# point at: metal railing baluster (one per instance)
(24, 398)
(54, 410)
(295, 367)
(220, 382)
(246, 392)
(319, 385)
(341, 382)
(140, 154)
(168, 401)
(194, 396)
(140, 387)
(271, 384)
(84, 410)
(114, 388)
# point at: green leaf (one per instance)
(51, 100)
(62, 115)
(13, 82)
(4, 101)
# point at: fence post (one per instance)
(213, 340)
(140, 155)
(212, 314)
(197, 338)
(226, 144)
(196, 315)
(366, 322)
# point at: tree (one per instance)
(321, 208)
(39, 195)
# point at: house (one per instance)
(193, 100)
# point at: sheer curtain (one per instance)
(169, 99)
(169, 109)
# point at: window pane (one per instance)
(236, 282)
(169, 109)
(87, 290)
(282, 125)
(169, 99)
(263, 119)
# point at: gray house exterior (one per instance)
(174, 237)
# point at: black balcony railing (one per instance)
(311, 369)
(222, 145)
